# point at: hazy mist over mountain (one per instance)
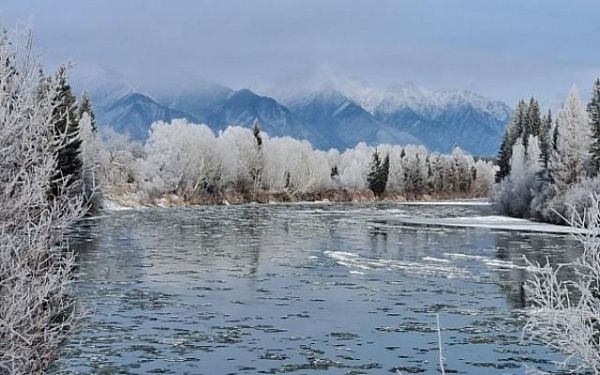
(501, 49)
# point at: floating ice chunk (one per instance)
(355, 261)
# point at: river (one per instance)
(302, 289)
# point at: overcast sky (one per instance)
(505, 49)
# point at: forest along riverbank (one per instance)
(251, 289)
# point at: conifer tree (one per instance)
(378, 174)
(504, 156)
(545, 138)
(534, 120)
(515, 129)
(593, 110)
(85, 106)
(570, 159)
(66, 131)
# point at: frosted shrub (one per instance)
(566, 314)
(36, 264)
(576, 198)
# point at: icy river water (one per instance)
(303, 289)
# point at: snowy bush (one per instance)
(566, 313)
(576, 198)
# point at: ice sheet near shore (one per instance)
(489, 222)
(466, 202)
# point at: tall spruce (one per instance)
(66, 133)
(515, 129)
(534, 119)
(545, 137)
(378, 175)
(593, 110)
(85, 106)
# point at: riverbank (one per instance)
(128, 197)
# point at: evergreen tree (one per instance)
(504, 156)
(515, 129)
(85, 106)
(66, 133)
(570, 159)
(545, 138)
(378, 174)
(593, 110)
(534, 120)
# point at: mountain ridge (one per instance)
(327, 115)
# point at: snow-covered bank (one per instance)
(488, 222)
(460, 202)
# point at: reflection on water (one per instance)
(302, 289)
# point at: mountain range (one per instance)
(328, 115)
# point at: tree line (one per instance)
(547, 163)
(188, 160)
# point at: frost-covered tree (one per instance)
(514, 194)
(181, 159)
(593, 109)
(569, 159)
(120, 159)
(36, 265)
(92, 161)
(354, 166)
(239, 154)
(85, 106)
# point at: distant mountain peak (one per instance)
(329, 111)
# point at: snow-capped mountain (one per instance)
(336, 117)
(117, 103)
(199, 100)
(243, 107)
(336, 114)
(441, 119)
(134, 113)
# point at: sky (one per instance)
(504, 49)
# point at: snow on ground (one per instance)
(110, 205)
(489, 222)
(469, 202)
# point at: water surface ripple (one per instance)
(302, 289)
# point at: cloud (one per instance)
(502, 48)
